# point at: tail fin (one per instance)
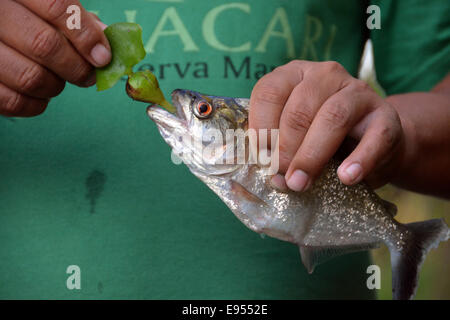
(406, 262)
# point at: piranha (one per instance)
(327, 220)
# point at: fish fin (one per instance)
(242, 194)
(314, 255)
(406, 261)
(390, 207)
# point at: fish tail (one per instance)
(407, 260)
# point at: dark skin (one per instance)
(403, 139)
(39, 53)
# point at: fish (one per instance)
(327, 220)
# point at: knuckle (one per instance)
(389, 135)
(31, 78)
(298, 119)
(46, 43)
(294, 64)
(277, 69)
(80, 73)
(360, 85)
(267, 93)
(332, 66)
(55, 9)
(14, 104)
(85, 37)
(337, 115)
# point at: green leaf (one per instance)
(143, 86)
(127, 50)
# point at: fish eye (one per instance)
(203, 110)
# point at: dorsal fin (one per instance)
(390, 207)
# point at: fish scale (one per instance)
(327, 220)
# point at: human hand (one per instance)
(39, 53)
(316, 106)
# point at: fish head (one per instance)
(204, 131)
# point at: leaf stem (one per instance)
(168, 106)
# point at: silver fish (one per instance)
(329, 219)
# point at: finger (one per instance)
(382, 136)
(270, 94)
(36, 39)
(332, 123)
(89, 39)
(14, 104)
(324, 80)
(25, 76)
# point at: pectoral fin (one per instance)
(313, 256)
(243, 195)
(247, 207)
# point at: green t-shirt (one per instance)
(90, 182)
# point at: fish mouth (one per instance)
(166, 119)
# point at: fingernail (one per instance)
(353, 171)
(298, 181)
(91, 80)
(279, 182)
(100, 55)
(102, 25)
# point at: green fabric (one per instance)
(412, 49)
(90, 182)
